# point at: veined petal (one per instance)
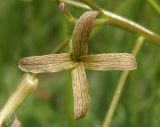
(46, 63)
(81, 33)
(113, 61)
(80, 91)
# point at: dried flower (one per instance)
(79, 60)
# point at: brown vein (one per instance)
(46, 63)
(113, 61)
(80, 91)
(81, 33)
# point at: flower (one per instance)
(78, 61)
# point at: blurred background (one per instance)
(37, 27)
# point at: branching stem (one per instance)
(117, 20)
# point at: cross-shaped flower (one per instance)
(79, 60)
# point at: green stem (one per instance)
(61, 45)
(26, 86)
(120, 86)
(154, 5)
(77, 4)
(67, 13)
(68, 82)
(118, 21)
(125, 23)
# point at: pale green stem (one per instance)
(68, 87)
(27, 85)
(120, 86)
(61, 45)
(154, 5)
(67, 13)
(77, 4)
(125, 23)
(118, 20)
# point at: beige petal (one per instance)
(80, 91)
(81, 33)
(113, 61)
(46, 63)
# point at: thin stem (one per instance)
(73, 19)
(67, 87)
(125, 23)
(101, 21)
(154, 5)
(77, 4)
(27, 85)
(61, 45)
(120, 86)
(66, 12)
(118, 21)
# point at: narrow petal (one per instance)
(113, 61)
(80, 91)
(46, 63)
(81, 33)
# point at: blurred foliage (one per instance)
(35, 28)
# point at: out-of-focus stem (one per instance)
(67, 87)
(154, 5)
(120, 86)
(26, 86)
(61, 45)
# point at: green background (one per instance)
(36, 28)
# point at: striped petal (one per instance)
(113, 61)
(80, 91)
(81, 33)
(46, 63)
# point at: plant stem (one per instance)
(77, 4)
(120, 86)
(118, 20)
(154, 5)
(66, 12)
(125, 23)
(61, 45)
(68, 87)
(27, 85)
